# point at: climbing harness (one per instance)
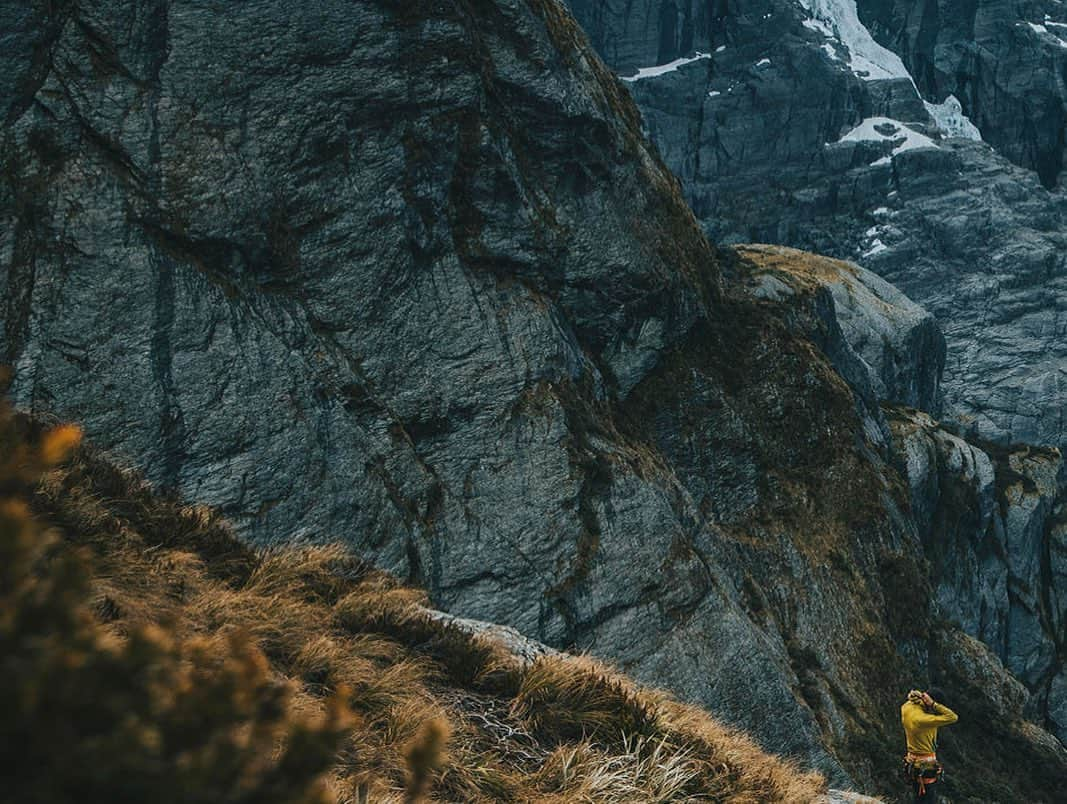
(922, 770)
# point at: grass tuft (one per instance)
(564, 699)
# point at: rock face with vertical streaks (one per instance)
(1004, 63)
(408, 274)
(992, 521)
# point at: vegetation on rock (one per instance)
(147, 655)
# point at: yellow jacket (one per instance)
(921, 726)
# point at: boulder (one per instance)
(899, 344)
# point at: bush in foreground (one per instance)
(90, 715)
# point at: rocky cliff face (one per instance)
(1003, 61)
(410, 276)
(993, 525)
(307, 226)
(794, 123)
(914, 138)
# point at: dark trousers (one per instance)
(929, 798)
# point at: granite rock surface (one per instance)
(992, 522)
(921, 140)
(413, 278)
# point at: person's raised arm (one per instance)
(940, 716)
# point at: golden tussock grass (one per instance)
(148, 655)
(807, 269)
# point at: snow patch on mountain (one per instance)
(838, 19)
(661, 69)
(884, 129)
(949, 117)
(1044, 32)
(876, 247)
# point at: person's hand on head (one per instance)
(927, 700)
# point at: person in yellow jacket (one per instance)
(921, 715)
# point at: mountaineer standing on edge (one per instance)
(921, 717)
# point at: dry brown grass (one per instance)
(433, 713)
(642, 737)
(805, 270)
(146, 713)
(568, 698)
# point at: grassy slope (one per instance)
(402, 706)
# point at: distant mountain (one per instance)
(923, 139)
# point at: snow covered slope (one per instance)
(839, 20)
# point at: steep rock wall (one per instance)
(411, 277)
(774, 137)
(1005, 63)
(993, 527)
(647, 32)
